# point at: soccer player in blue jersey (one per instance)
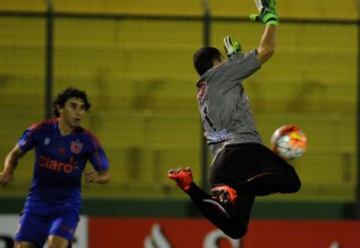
(62, 148)
(243, 167)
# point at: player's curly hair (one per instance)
(204, 58)
(65, 95)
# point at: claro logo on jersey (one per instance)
(55, 165)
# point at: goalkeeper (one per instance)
(242, 167)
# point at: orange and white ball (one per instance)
(289, 142)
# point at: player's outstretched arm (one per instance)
(267, 44)
(100, 177)
(268, 16)
(11, 162)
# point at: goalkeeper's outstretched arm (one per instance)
(268, 15)
(267, 44)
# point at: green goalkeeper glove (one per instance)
(267, 12)
(231, 49)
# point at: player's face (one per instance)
(73, 112)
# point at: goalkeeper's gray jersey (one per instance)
(224, 105)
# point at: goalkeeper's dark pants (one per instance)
(252, 170)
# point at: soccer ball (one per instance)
(289, 142)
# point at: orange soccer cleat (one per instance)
(182, 177)
(224, 194)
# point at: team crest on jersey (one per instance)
(76, 146)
